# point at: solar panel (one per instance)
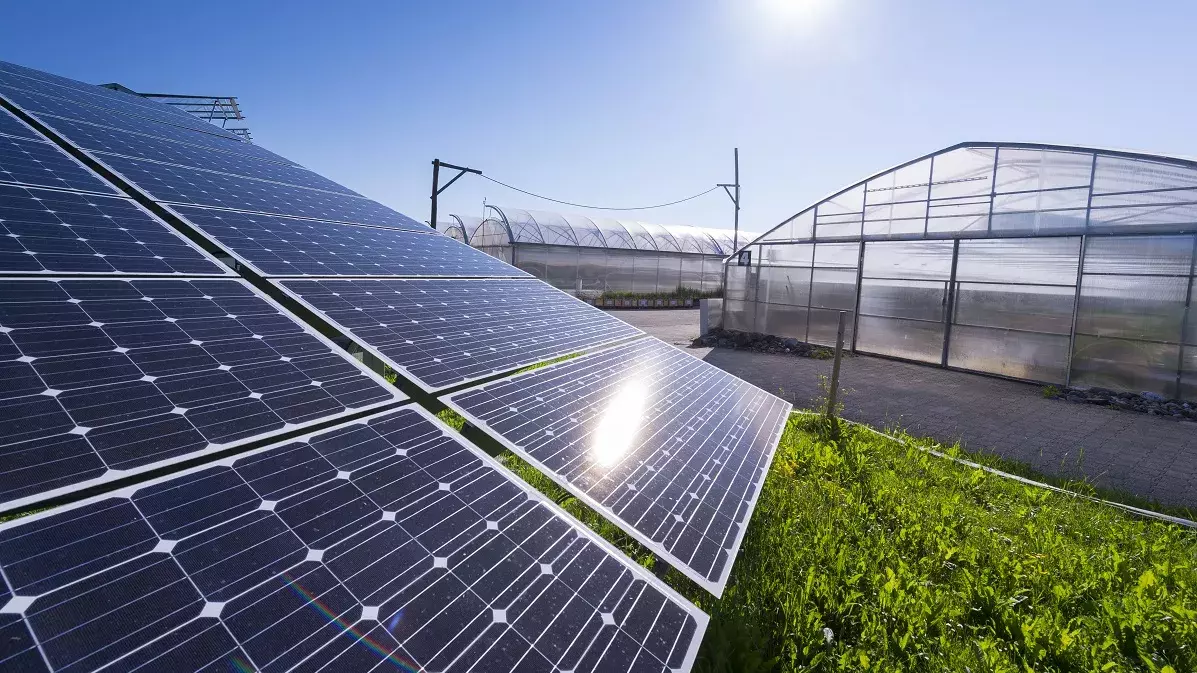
(381, 545)
(37, 162)
(113, 141)
(116, 102)
(48, 109)
(670, 448)
(177, 184)
(446, 332)
(105, 377)
(11, 126)
(46, 231)
(282, 246)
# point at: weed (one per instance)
(451, 418)
(1051, 392)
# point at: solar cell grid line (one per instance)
(107, 140)
(11, 126)
(104, 378)
(273, 245)
(39, 163)
(445, 332)
(669, 448)
(189, 186)
(116, 101)
(55, 232)
(387, 542)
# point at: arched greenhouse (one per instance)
(590, 255)
(1048, 263)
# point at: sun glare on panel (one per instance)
(794, 15)
(619, 424)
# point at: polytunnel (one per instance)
(587, 255)
(1048, 263)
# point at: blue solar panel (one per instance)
(39, 163)
(446, 332)
(105, 377)
(117, 102)
(673, 450)
(177, 184)
(48, 108)
(65, 232)
(11, 126)
(282, 246)
(384, 545)
(112, 141)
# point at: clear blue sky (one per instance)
(631, 102)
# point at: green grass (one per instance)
(866, 554)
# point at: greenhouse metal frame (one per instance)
(1048, 263)
(591, 255)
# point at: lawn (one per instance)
(867, 554)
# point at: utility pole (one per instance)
(436, 175)
(735, 197)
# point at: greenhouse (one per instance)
(1047, 263)
(591, 255)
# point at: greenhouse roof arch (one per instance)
(966, 189)
(514, 226)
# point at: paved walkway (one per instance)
(1145, 455)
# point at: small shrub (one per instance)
(1051, 392)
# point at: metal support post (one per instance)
(833, 394)
(436, 189)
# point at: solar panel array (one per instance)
(670, 448)
(378, 545)
(447, 332)
(105, 377)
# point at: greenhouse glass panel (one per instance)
(691, 273)
(1051, 261)
(524, 227)
(799, 227)
(1021, 355)
(532, 258)
(792, 254)
(1191, 315)
(1142, 216)
(823, 325)
(592, 270)
(561, 268)
(908, 259)
(644, 273)
(741, 283)
(833, 288)
(1124, 364)
(669, 273)
(739, 315)
(614, 233)
(781, 321)
(620, 271)
(1117, 174)
(915, 299)
(1188, 374)
(712, 273)
(586, 232)
(962, 173)
(1039, 222)
(909, 183)
(1136, 307)
(662, 239)
(785, 285)
(837, 254)
(1020, 170)
(910, 339)
(1163, 255)
(1035, 308)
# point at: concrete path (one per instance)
(1146, 455)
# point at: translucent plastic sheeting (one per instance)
(1125, 364)
(1022, 355)
(910, 339)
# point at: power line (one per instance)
(582, 205)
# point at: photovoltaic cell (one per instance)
(112, 141)
(42, 164)
(45, 231)
(103, 377)
(283, 246)
(11, 126)
(380, 545)
(178, 184)
(446, 332)
(671, 449)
